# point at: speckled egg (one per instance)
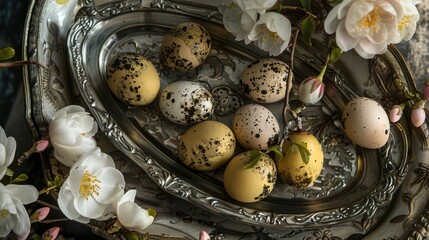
(366, 123)
(185, 47)
(133, 79)
(206, 146)
(292, 168)
(186, 102)
(255, 127)
(265, 80)
(249, 184)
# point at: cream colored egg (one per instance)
(133, 79)
(246, 184)
(265, 80)
(206, 146)
(185, 47)
(255, 127)
(366, 123)
(293, 168)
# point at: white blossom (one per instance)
(13, 215)
(92, 187)
(130, 215)
(7, 151)
(366, 26)
(407, 23)
(71, 133)
(237, 20)
(272, 33)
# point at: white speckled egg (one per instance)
(206, 146)
(255, 127)
(185, 47)
(265, 80)
(366, 123)
(133, 79)
(186, 102)
(246, 184)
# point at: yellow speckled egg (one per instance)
(292, 168)
(206, 146)
(366, 123)
(185, 47)
(133, 79)
(249, 184)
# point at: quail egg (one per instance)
(294, 168)
(186, 102)
(265, 80)
(366, 123)
(185, 47)
(206, 146)
(133, 79)
(246, 183)
(255, 127)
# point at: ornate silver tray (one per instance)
(376, 193)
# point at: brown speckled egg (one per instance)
(185, 47)
(255, 127)
(206, 146)
(366, 123)
(133, 79)
(249, 184)
(265, 80)
(186, 102)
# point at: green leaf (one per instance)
(308, 27)
(21, 178)
(9, 172)
(335, 55)
(151, 212)
(36, 237)
(303, 151)
(131, 236)
(255, 156)
(58, 180)
(306, 4)
(278, 155)
(7, 53)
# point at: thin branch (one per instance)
(286, 106)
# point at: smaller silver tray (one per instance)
(357, 185)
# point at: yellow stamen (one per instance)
(404, 22)
(89, 185)
(4, 213)
(370, 20)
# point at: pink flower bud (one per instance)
(395, 113)
(204, 235)
(40, 214)
(311, 90)
(51, 234)
(41, 145)
(418, 115)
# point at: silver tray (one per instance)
(359, 193)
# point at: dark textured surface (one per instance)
(12, 18)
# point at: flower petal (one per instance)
(344, 40)
(65, 202)
(89, 207)
(21, 218)
(25, 193)
(112, 184)
(133, 217)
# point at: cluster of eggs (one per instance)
(208, 145)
